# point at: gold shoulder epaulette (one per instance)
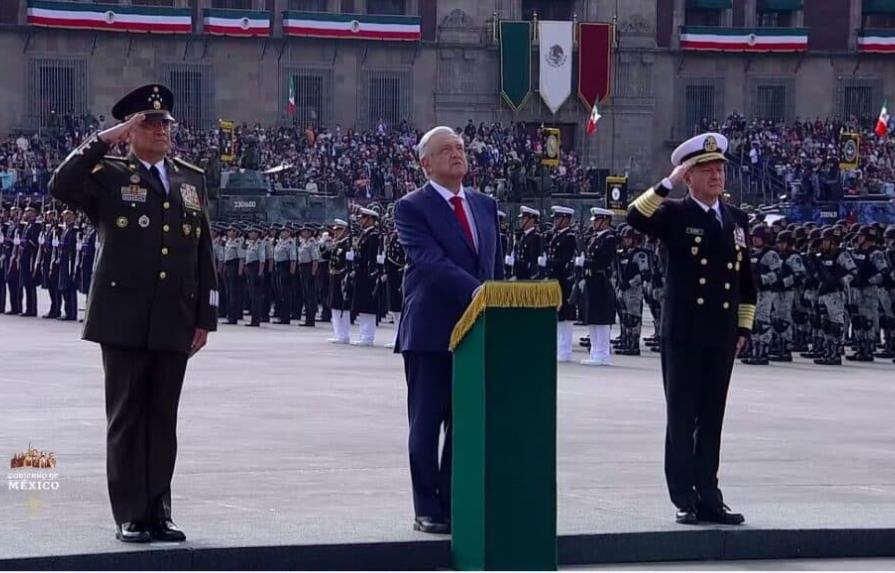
(188, 165)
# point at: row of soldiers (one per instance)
(350, 273)
(44, 249)
(821, 289)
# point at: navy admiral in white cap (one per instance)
(707, 316)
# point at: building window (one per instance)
(387, 99)
(775, 19)
(506, 9)
(770, 103)
(56, 88)
(232, 4)
(858, 102)
(387, 7)
(699, 108)
(703, 17)
(162, 3)
(547, 9)
(313, 96)
(193, 100)
(308, 5)
(879, 20)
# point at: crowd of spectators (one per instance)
(379, 164)
(801, 160)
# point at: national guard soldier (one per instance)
(887, 297)
(767, 266)
(234, 271)
(49, 264)
(364, 275)
(153, 300)
(326, 254)
(529, 247)
(789, 286)
(706, 319)
(835, 270)
(267, 281)
(656, 289)
(255, 252)
(219, 240)
(599, 257)
(308, 259)
(285, 256)
(632, 272)
(561, 253)
(28, 260)
(87, 259)
(338, 271)
(871, 268)
(68, 286)
(395, 260)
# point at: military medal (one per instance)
(190, 197)
(187, 228)
(694, 250)
(121, 222)
(143, 221)
(135, 178)
(740, 236)
(134, 193)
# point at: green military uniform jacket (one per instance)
(155, 279)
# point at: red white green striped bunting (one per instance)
(157, 20)
(744, 39)
(236, 22)
(351, 26)
(876, 41)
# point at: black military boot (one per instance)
(863, 352)
(832, 355)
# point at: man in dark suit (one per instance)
(706, 318)
(451, 237)
(153, 299)
(30, 245)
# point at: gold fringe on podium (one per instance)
(507, 294)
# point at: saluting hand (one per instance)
(117, 134)
(678, 174)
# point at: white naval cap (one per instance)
(523, 211)
(558, 210)
(600, 212)
(704, 147)
(339, 223)
(368, 212)
(501, 215)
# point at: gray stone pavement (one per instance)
(880, 564)
(288, 440)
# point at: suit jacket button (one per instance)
(700, 301)
(166, 205)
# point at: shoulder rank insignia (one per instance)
(188, 165)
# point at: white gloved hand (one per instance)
(17, 241)
(579, 261)
(41, 241)
(509, 260)
(349, 256)
(78, 247)
(380, 259)
(55, 243)
(542, 261)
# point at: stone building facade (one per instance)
(660, 87)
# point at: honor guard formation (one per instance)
(824, 291)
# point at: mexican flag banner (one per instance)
(290, 105)
(882, 124)
(236, 23)
(351, 26)
(515, 63)
(92, 16)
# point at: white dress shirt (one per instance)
(447, 194)
(163, 173)
(716, 208)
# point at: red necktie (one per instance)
(460, 213)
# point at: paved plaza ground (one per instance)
(288, 440)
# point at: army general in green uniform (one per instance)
(153, 299)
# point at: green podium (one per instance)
(504, 424)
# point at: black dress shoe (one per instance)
(719, 514)
(132, 532)
(50, 316)
(429, 525)
(311, 325)
(284, 322)
(166, 531)
(686, 516)
(253, 324)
